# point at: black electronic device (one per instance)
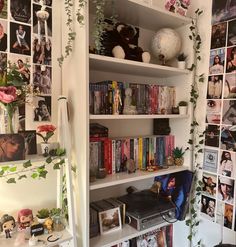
(145, 209)
(161, 126)
(36, 229)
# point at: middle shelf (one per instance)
(122, 177)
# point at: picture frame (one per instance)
(110, 221)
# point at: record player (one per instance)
(145, 209)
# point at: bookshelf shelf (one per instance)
(121, 178)
(127, 232)
(104, 63)
(123, 117)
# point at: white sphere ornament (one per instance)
(166, 44)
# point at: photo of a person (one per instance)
(23, 70)
(20, 38)
(228, 216)
(230, 86)
(212, 135)
(228, 138)
(3, 35)
(229, 112)
(226, 189)
(209, 184)
(11, 147)
(217, 61)
(231, 33)
(3, 64)
(231, 59)
(42, 79)
(30, 141)
(42, 111)
(218, 35)
(214, 89)
(226, 166)
(213, 111)
(223, 10)
(21, 10)
(3, 9)
(46, 2)
(208, 207)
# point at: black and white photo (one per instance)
(42, 78)
(21, 10)
(42, 108)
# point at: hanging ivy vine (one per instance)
(197, 136)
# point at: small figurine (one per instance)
(129, 109)
(25, 218)
(7, 223)
(117, 101)
(48, 225)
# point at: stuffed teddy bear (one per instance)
(125, 47)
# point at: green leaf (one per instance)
(49, 160)
(34, 175)
(43, 174)
(56, 166)
(27, 164)
(11, 181)
(12, 169)
(190, 37)
(5, 168)
(22, 176)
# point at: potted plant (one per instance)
(183, 107)
(42, 215)
(48, 129)
(58, 219)
(178, 154)
(182, 60)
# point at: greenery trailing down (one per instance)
(196, 140)
(14, 173)
(69, 4)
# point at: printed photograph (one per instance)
(22, 65)
(229, 112)
(227, 164)
(231, 33)
(208, 207)
(3, 35)
(109, 220)
(230, 86)
(3, 9)
(20, 37)
(209, 184)
(21, 109)
(223, 10)
(213, 111)
(39, 26)
(21, 10)
(226, 189)
(30, 141)
(214, 89)
(11, 147)
(217, 61)
(42, 51)
(218, 35)
(42, 78)
(231, 60)
(220, 213)
(212, 135)
(3, 65)
(228, 138)
(210, 160)
(228, 216)
(45, 2)
(42, 108)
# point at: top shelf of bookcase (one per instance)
(145, 16)
(116, 65)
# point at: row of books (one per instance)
(112, 154)
(148, 98)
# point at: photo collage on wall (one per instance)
(219, 164)
(25, 40)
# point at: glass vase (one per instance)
(9, 122)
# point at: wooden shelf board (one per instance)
(124, 66)
(65, 236)
(123, 177)
(33, 158)
(122, 117)
(117, 237)
(148, 17)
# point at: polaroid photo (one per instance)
(42, 108)
(226, 189)
(3, 64)
(110, 220)
(208, 207)
(217, 61)
(12, 147)
(227, 166)
(20, 10)
(209, 184)
(228, 138)
(230, 86)
(20, 39)
(210, 160)
(3, 35)
(231, 33)
(212, 135)
(30, 141)
(45, 2)
(3, 9)
(42, 79)
(224, 214)
(231, 53)
(218, 35)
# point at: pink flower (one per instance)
(46, 128)
(8, 94)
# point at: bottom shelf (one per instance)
(126, 233)
(63, 236)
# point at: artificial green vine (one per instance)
(197, 137)
(69, 22)
(14, 173)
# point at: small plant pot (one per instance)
(41, 220)
(179, 161)
(169, 161)
(58, 223)
(45, 148)
(182, 64)
(183, 110)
